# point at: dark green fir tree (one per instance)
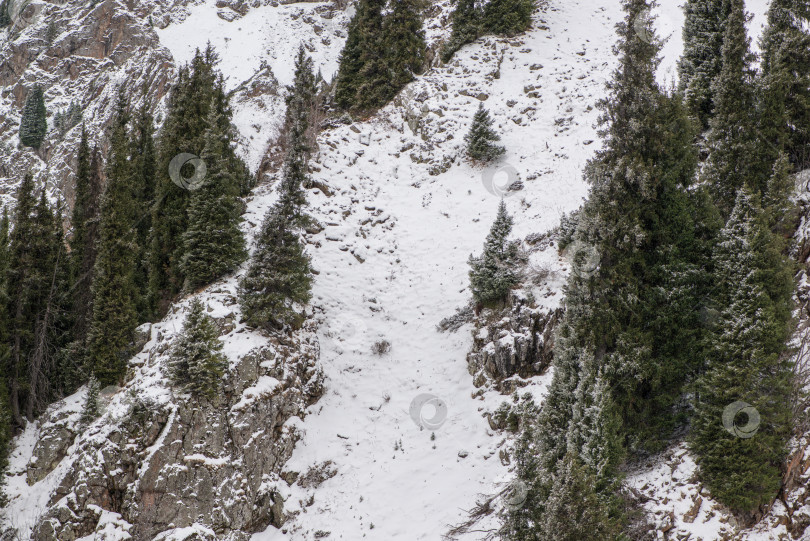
(497, 270)
(742, 409)
(786, 79)
(466, 20)
(508, 17)
(404, 43)
(361, 61)
(279, 278)
(115, 296)
(700, 64)
(213, 243)
(733, 140)
(34, 124)
(197, 363)
(481, 138)
(91, 408)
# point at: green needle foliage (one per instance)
(114, 291)
(746, 362)
(481, 138)
(197, 363)
(495, 272)
(214, 244)
(701, 62)
(34, 125)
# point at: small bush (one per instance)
(381, 347)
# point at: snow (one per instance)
(405, 215)
(263, 387)
(391, 260)
(266, 34)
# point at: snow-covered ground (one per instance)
(403, 213)
(392, 259)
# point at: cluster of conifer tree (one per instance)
(473, 18)
(69, 307)
(382, 54)
(689, 309)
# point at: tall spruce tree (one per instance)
(5, 408)
(91, 408)
(630, 337)
(481, 137)
(213, 243)
(144, 179)
(786, 79)
(404, 43)
(198, 87)
(733, 141)
(361, 49)
(197, 363)
(34, 125)
(508, 17)
(740, 458)
(182, 132)
(47, 376)
(701, 62)
(302, 96)
(5, 16)
(279, 277)
(114, 291)
(83, 247)
(496, 271)
(466, 21)
(22, 285)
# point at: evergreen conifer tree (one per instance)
(214, 244)
(630, 336)
(786, 79)
(575, 511)
(21, 287)
(495, 272)
(700, 64)
(404, 43)
(47, 373)
(739, 455)
(34, 125)
(508, 17)
(184, 131)
(481, 138)
(91, 409)
(144, 180)
(361, 59)
(302, 96)
(85, 221)
(733, 139)
(466, 22)
(280, 276)
(114, 292)
(5, 17)
(5, 410)
(197, 363)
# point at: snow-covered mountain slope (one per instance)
(400, 212)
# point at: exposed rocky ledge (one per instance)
(515, 341)
(159, 463)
